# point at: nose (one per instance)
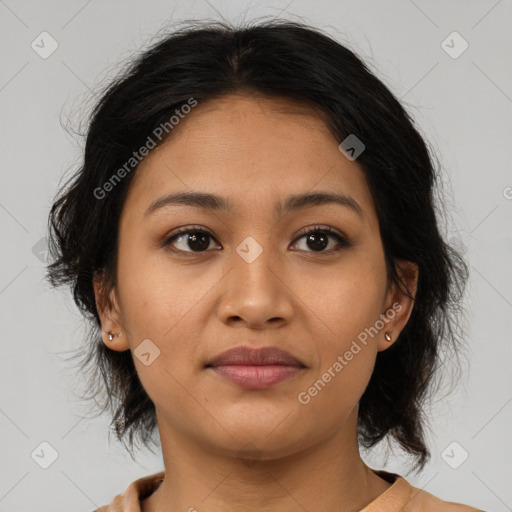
(255, 293)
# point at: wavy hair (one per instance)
(277, 58)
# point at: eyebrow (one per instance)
(293, 203)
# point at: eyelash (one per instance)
(342, 241)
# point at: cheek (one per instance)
(345, 310)
(157, 293)
(344, 302)
(164, 302)
(342, 376)
(334, 389)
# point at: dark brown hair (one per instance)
(207, 60)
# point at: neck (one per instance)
(329, 475)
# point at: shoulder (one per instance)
(423, 501)
(137, 490)
(115, 505)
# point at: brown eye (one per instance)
(318, 239)
(196, 240)
(192, 240)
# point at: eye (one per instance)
(319, 236)
(195, 239)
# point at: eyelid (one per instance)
(320, 227)
(342, 239)
(184, 230)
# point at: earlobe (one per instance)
(115, 341)
(386, 339)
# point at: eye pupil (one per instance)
(318, 245)
(203, 239)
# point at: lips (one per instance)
(255, 369)
(248, 356)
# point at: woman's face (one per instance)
(259, 280)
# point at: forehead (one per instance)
(251, 149)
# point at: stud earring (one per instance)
(388, 337)
(111, 336)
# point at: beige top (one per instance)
(400, 497)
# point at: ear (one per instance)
(110, 315)
(398, 303)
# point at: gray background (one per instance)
(463, 106)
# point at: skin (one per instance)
(225, 447)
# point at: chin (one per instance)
(258, 442)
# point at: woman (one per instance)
(253, 236)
